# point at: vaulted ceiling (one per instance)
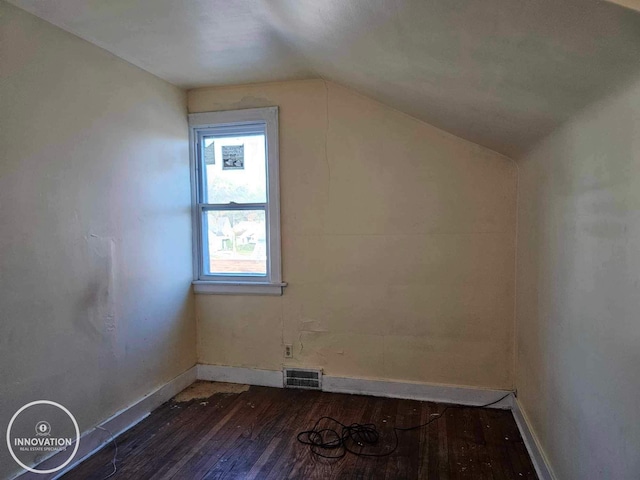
(500, 73)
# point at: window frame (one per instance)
(271, 283)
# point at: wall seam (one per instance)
(515, 282)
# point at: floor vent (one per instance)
(302, 378)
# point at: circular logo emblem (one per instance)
(53, 436)
(43, 428)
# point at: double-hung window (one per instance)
(236, 204)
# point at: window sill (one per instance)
(206, 287)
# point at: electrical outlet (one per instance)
(288, 351)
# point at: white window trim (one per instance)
(272, 284)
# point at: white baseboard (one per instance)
(361, 386)
(394, 389)
(533, 447)
(249, 376)
(417, 391)
(93, 440)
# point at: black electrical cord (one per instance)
(342, 440)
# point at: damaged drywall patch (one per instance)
(248, 101)
(201, 389)
(96, 317)
(312, 325)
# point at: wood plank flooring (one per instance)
(252, 435)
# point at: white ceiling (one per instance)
(501, 73)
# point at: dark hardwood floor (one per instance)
(253, 435)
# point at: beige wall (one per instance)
(398, 246)
(95, 250)
(578, 315)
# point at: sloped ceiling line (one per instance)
(500, 73)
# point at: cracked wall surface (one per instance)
(96, 309)
(398, 243)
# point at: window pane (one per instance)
(234, 169)
(236, 241)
